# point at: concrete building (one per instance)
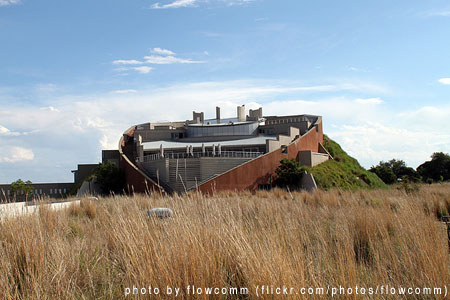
(207, 155)
(234, 153)
(40, 190)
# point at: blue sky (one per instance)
(75, 74)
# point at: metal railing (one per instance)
(228, 154)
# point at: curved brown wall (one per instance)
(136, 180)
(260, 170)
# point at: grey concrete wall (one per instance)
(111, 156)
(272, 145)
(308, 158)
(284, 128)
(191, 171)
(83, 171)
(89, 188)
(157, 169)
(308, 183)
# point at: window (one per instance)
(50, 191)
(65, 191)
(284, 149)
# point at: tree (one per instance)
(385, 173)
(394, 170)
(19, 185)
(438, 169)
(289, 173)
(109, 178)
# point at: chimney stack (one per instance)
(241, 113)
(218, 114)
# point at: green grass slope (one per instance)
(343, 172)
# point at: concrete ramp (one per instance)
(308, 183)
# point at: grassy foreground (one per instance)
(335, 238)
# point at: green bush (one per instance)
(110, 178)
(19, 185)
(289, 173)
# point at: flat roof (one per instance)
(223, 123)
(258, 140)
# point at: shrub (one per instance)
(19, 185)
(110, 178)
(289, 173)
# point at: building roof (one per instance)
(258, 140)
(223, 122)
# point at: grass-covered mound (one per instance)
(344, 171)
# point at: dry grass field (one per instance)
(328, 239)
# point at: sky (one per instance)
(74, 75)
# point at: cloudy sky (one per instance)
(75, 74)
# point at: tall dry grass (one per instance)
(335, 238)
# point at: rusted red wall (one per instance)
(261, 170)
(136, 180)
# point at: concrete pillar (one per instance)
(198, 117)
(241, 113)
(218, 114)
(140, 149)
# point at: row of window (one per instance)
(39, 192)
(285, 121)
(239, 129)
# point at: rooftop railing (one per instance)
(227, 154)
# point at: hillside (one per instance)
(344, 171)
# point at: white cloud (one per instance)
(143, 69)
(445, 81)
(8, 2)
(371, 142)
(124, 91)
(165, 60)
(165, 57)
(127, 62)
(175, 4)
(369, 101)
(50, 108)
(86, 124)
(13, 154)
(6, 132)
(196, 3)
(163, 51)
(237, 2)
